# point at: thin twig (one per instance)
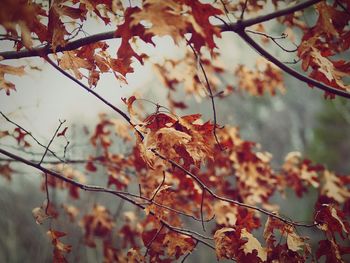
(226, 11)
(343, 7)
(202, 201)
(86, 88)
(203, 186)
(152, 240)
(193, 232)
(30, 135)
(180, 212)
(50, 142)
(147, 201)
(243, 9)
(47, 195)
(209, 89)
(158, 188)
(140, 191)
(289, 70)
(188, 233)
(274, 39)
(189, 253)
(119, 209)
(276, 14)
(295, 61)
(120, 194)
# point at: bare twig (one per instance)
(274, 39)
(202, 201)
(153, 238)
(193, 232)
(226, 11)
(119, 209)
(295, 61)
(47, 195)
(77, 161)
(147, 201)
(140, 191)
(158, 188)
(279, 13)
(180, 212)
(210, 91)
(243, 9)
(50, 142)
(31, 135)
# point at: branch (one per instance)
(153, 238)
(213, 194)
(85, 187)
(289, 70)
(119, 111)
(120, 194)
(51, 141)
(46, 50)
(209, 90)
(32, 136)
(274, 39)
(97, 159)
(279, 13)
(67, 161)
(233, 27)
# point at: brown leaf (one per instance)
(7, 69)
(39, 215)
(6, 171)
(60, 249)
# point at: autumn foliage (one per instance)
(186, 169)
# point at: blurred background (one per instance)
(299, 120)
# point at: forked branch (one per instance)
(131, 198)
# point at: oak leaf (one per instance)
(127, 31)
(56, 27)
(223, 243)
(253, 244)
(178, 244)
(166, 18)
(25, 16)
(334, 188)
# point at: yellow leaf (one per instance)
(333, 187)
(253, 244)
(295, 242)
